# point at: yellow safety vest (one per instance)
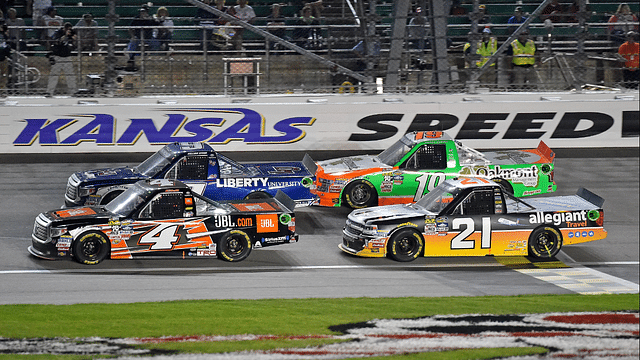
(523, 55)
(485, 50)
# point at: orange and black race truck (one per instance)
(164, 218)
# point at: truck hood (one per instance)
(79, 214)
(351, 163)
(281, 169)
(385, 213)
(108, 174)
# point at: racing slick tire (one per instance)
(234, 246)
(360, 194)
(405, 245)
(506, 185)
(91, 247)
(109, 197)
(545, 242)
(257, 195)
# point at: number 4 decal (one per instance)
(161, 237)
(460, 242)
(428, 181)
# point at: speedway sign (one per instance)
(343, 123)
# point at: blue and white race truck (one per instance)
(204, 170)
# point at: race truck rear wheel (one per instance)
(360, 194)
(405, 245)
(545, 242)
(234, 246)
(91, 247)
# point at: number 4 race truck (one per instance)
(421, 160)
(206, 171)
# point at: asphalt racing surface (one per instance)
(315, 267)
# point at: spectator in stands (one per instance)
(521, 54)
(517, 19)
(417, 31)
(245, 13)
(62, 47)
(484, 16)
(361, 55)
(485, 48)
(141, 30)
(87, 33)
(619, 24)
(164, 33)
(306, 34)
(276, 25)
(38, 9)
(17, 33)
(555, 12)
(214, 29)
(457, 9)
(316, 7)
(53, 21)
(629, 53)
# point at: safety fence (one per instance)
(207, 60)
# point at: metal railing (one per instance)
(193, 63)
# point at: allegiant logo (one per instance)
(102, 129)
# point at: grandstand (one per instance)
(571, 54)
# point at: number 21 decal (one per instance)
(460, 242)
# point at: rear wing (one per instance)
(285, 200)
(311, 166)
(546, 152)
(590, 197)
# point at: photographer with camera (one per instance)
(64, 44)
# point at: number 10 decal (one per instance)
(428, 181)
(459, 242)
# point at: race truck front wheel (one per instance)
(405, 245)
(234, 246)
(257, 195)
(360, 194)
(90, 248)
(545, 242)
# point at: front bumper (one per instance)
(47, 252)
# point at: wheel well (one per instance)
(343, 194)
(258, 195)
(110, 196)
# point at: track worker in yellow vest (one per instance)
(522, 56)
(485, 48)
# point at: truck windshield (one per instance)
(128, 201)
(395, 152)
(437, 199)
(156, 162)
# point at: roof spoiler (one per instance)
(546, 151)
(308, 162)
(590, 197)
(285, 200)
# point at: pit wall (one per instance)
(306, 123)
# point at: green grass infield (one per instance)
(280, 317)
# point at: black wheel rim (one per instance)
(546, 243)
(235, 246)
(407, 246)
(91, 248)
